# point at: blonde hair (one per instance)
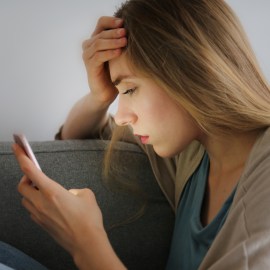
(198, 52)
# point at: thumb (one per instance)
(36, 176)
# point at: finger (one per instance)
(28, 205)
(27, 189)
(26, 181)
(101, 57)
(103, 45)
(34, 213)
(39, 179)
(108, 34)
(106, 22)
(26, 165)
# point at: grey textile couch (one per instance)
(142, 243)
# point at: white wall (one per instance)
(41, 71)
(254, 15)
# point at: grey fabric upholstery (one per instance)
(141, 244)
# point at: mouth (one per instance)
(143, 139)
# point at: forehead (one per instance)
(119, 67)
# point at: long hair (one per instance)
(198, 52)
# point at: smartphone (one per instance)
(21, 140)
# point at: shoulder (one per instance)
(254, 186)
(245, 236)
(257, 168)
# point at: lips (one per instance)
(143, 139)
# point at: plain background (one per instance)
(41, 71)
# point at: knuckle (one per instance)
(26, 168)
(84, 55)
(52, 197)
(87, 43)
(101, 20)
(39, 207)
(96, 58)
(96, 45)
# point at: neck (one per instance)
(229, 153)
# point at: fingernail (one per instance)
(118, 21)
(120, 31)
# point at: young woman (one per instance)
(192, 95)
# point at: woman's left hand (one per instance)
(68, 216)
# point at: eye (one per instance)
(130, 91)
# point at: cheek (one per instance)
(153, 109)
(177, 130)
(172, 140)
(144, 110)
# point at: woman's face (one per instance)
(151, 113)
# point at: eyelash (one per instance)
(130, 91)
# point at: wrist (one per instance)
(103, 103)
(95, 252)
(86, 119)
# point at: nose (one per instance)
(124, 114)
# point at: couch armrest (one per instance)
(141, 244)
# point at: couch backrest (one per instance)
(141, 244)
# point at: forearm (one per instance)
(86, 119)
(97, 254)
(89, 115)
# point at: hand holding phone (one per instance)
(21, 140)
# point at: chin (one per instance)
(169, 150)
(165, 153)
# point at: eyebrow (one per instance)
(119, 79)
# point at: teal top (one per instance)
(191, 240)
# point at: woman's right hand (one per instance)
(89, 115)
(106, 43)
